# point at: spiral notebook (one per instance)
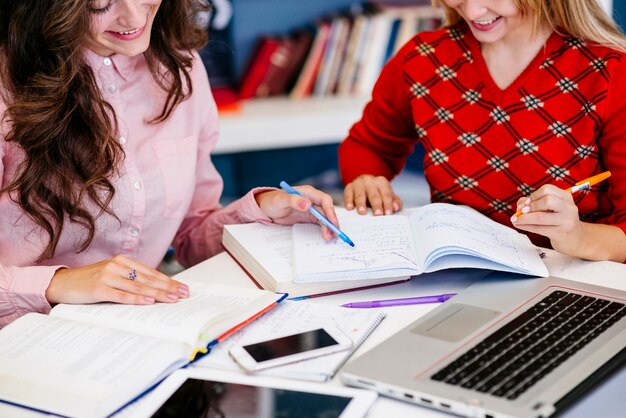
(294, 316)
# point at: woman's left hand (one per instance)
(287, 209)
(551, 212)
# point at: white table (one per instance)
(223, 269)
(606, 402)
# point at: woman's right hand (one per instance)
(108, 281)
(375, 190)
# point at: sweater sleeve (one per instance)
(613, 145)
(381, 141)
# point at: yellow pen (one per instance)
(583, 185)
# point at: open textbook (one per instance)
(265, 254)
(90, 360)
(433, 237)
(292, 317)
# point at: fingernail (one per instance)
(525, 209)
(149, 299)
(303, 204)
(527, 201)
(378, 212)
(183, 291)
(349, 206)
(396, 207)
(388, 212)
(361, 209)
(172, 296)
(513, 218)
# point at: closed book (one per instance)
(285, 63)
(306, 79)
(258, 66)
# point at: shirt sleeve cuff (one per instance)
(250, 210)
(28, 289)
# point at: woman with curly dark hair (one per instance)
(107, 127)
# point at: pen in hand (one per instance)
(582, 185)
(319, 215)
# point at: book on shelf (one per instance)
(354, 49)
(269, 49)
(333, 55)
(305, 80)
(284, 64)
(433, 237)
(265, 253)
(292, 317)
(91, 360)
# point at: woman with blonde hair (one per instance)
(514, 102)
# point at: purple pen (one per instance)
(419, 300)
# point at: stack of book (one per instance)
(340, 55)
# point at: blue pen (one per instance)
(319, 215)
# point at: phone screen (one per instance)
(291, 344)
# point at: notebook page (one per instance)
(382, 244)
(442, 229)
(292, 317)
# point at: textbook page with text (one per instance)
(90, 360)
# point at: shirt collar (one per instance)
(125, 66)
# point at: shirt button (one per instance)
(122, 140)
(137, 185)
(134, 232)
(112, 88)
(107, 61)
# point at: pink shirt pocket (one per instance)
(177, 162)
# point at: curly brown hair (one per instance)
(58, 117)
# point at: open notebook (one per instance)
(433, 237)
(294, 316)
(265, 254)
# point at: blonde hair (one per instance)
(583, 19)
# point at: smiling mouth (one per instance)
(129, 32)
(486, 22)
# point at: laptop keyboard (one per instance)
(522, 352)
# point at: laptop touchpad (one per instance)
(455, 322)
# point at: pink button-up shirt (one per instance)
(167, 189)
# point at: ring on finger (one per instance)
(132, 275)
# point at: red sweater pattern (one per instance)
(562, 120)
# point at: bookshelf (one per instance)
(303, 134)
(279, 122)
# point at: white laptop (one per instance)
(504, 347)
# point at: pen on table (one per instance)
(319, 215)
(418, 300)
(583, 185)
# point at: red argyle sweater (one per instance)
(562, 120)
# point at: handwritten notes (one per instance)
(434, 237)
(382, 243)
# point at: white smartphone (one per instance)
(290, 348)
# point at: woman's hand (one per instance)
(119, 279)
(551, 212)
(287, 209)
(375, 190)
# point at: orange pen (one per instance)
(583, 185)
